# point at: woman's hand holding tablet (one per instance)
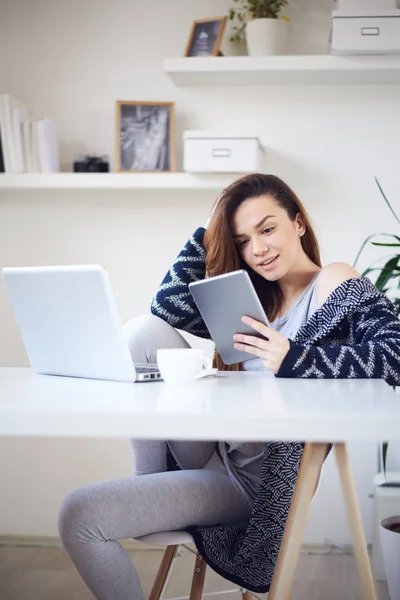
(230, 306)
(271, 348)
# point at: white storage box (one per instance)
(376, 5)
(365, 32)
(221, 152)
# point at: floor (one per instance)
(43, 573)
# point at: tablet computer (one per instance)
(222, 302)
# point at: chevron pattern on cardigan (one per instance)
(173, 302)
(354, 334)
(246, 553)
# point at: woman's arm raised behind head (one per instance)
(173, 302)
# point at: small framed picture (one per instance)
(145, 136)
(205, 37)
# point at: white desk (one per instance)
(240, 406)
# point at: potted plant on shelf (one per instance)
(260, 22)
(388, 282)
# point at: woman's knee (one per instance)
(75, 516)
(146, 333)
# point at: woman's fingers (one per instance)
(250, 349)
(251, 340)
(271, 350)
(257, 326)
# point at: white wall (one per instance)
(71, 61)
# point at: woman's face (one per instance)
(263, 232)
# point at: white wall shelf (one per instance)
(115, 181)
(262, 70)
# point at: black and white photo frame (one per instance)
(205, 37)
(145, 136)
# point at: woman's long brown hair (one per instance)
(222, 255)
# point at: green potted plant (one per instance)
(388, 282)
(260, 23)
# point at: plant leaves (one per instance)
(387, 272)
(384, 456)
(386, 200)
(387, 245)
(371, 270)
(254, 9)
(365, 242)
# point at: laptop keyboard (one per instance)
(146, 369)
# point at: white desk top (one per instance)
(236, 406)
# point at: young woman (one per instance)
(234, 497)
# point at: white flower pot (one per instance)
(390, 543)
(266, 36)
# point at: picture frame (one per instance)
(145, 136)
(206, 36)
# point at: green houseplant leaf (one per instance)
(384, 455)
(386, 200)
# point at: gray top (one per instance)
(243, 460)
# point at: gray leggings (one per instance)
(93, 518)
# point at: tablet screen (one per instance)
(222, 302)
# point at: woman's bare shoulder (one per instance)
(330, 277)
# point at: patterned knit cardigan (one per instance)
(354, 334)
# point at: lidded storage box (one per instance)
(372, 31)
(221, 152)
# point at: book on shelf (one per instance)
(26, 145)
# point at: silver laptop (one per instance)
(69, 323)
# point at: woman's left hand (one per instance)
(272, 351)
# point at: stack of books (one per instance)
(26, 145)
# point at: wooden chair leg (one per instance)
(310, 469)
(163, 572)
(355, 522)
(199, 574)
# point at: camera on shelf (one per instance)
(91, 164)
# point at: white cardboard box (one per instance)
(376, 5)
(221, 152)
(365, 32)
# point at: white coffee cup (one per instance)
(183, 365)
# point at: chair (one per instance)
(174, 540)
